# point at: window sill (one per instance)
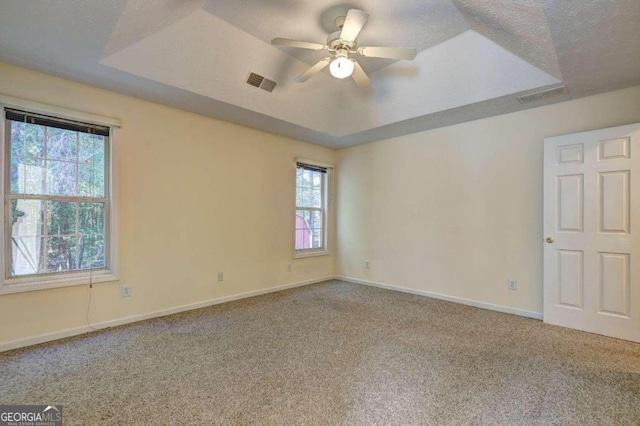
(20, 286)
(302, 255)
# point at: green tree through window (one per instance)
(58, 197)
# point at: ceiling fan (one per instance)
(341, 44)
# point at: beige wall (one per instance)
(455, 211)
(197, 196)
(458, 210)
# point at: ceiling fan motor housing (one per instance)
(334, 42)
(341, 53)
(341, 44)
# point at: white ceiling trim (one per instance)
(207, 56)
(589, 47)
(463, 70)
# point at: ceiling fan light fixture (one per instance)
(341, 44)
(341, 67)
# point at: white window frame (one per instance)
(83, 277)
(324, 250)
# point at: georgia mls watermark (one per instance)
(30, 415)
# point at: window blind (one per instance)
(45, 120)
(311, 167)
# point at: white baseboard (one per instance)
(15, 344)
(469, 302)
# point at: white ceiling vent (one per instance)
(259, 82)
(544, 94)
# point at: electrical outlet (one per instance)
(126, 291)
(220, 276)
(512, 284)
(289, 268)
(367, 265)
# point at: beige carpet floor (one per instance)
(331, 354)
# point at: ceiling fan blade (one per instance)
(360, 77)
(388, 52)
(354, 22)
(297, 43)
(313, 70)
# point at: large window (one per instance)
(57, 198)
(311, 209)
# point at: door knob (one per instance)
(550, 240)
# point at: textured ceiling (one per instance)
(474, 57)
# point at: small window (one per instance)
(311, 210)
(57, 198)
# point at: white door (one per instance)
(591, 231)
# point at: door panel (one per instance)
(592, 253)
(570, 278)
(613, 148)
(570, 203)
(613, 202)
(570, 154)
(613, 280)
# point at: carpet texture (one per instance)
(333, 353)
